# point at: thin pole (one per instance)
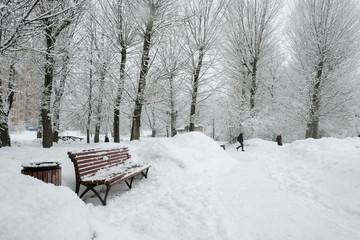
(213, 128)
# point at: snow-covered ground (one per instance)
(306, 190)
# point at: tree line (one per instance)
(118, 66)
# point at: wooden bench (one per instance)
(67, 138)
(107, 167)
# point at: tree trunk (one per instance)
(253, 85)
(194, 94)
(4, 131)
(100, 102)
(88, 125)
(58, 96)
(4, 112)
(313, 123)
(47, 140)
(312, 129)
(39, 131)
(119, 95)
(135, 131)
(97, 133)
(56, 126)
(173, 113)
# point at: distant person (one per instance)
(279, 140)
(106, 138)
(240, 139)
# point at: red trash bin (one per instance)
(49, 172)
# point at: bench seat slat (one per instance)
(100, 161)
(90, 157)
(100, 152)
(99, 165)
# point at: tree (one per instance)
(205, 18)
(15, 19)
(172, 59)
(90, 32)
(7, 104)
(122, 34)
(95, 52)
(60, 16)
(153, 13)
(252, 43)
(101, 65)
(323, 39)
(66, 47)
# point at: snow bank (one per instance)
(307, 189)
(328, 170)
(194, 152)
(32, 209)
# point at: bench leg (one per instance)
(145, 174)
(131, 180)
(77, 187)
(86, 190)
(106, 194)
(91, 187)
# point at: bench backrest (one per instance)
(92, 160)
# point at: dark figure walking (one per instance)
(106, 138)
(279, 140)
(240, 139)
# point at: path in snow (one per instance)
(262, 197)
(266, 202)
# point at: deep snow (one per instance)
(309, 189)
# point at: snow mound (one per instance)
(41, 210)
(332, 166)
(192, 151)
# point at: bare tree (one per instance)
(205, 18)
(103, 57)
(324, 41)
(90, 32)
(57, 16)
(252, 41)
(58, 94)
(172, 59)
(6, 104)
(122, 33)
(66, 46)
(153, 13)
(98, 54)
(15, 18)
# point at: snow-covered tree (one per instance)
(57, 16)
(152, 15)
(205, 17)
(172, 58)
(251, 49)
(324, 43)
(122, 32)
(15, 19)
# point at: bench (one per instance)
(67, 138)
(107, 167)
